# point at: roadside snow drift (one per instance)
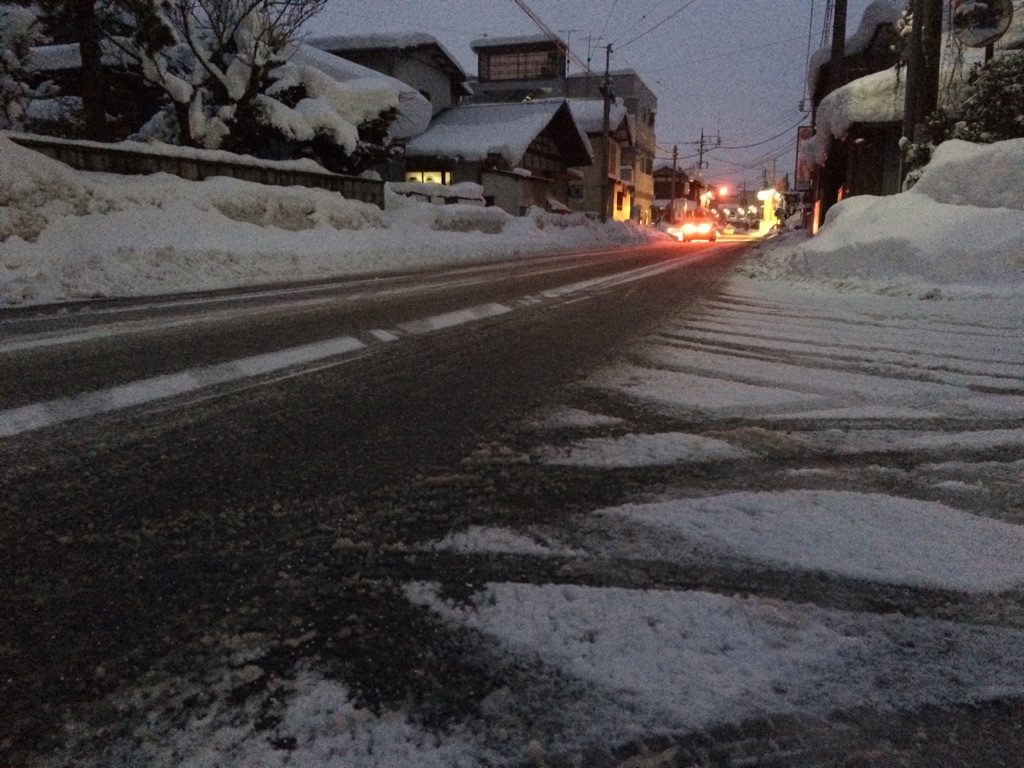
(961, 225)
(67, 235)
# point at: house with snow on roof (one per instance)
(416, 59)
(511, 69)
(521, 153)
(585, 190)
(855, 148)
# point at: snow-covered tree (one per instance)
(224, 68)
(19, 31)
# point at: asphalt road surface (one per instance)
(178, 466)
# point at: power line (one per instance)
(724, 55)
(608, 18)
(647, 31)
(766, 141)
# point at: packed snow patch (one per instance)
(861, 535)
(484, 539)
(642, 451)
(680, 661)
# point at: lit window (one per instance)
(430, 177)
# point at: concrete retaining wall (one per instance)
(92, 156)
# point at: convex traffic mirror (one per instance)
(978, 23)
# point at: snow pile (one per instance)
(66, 234)
(961, 225)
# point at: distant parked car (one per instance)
(700, 224)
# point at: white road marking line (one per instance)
(28, 418)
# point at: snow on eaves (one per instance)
(879, 13)
(474, 131)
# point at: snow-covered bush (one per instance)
(993, 106)
(989, 107)
(469, 218)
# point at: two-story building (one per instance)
(521, 153)
(534, 66)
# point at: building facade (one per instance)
(532, 67)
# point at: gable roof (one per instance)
(352, 44)
(475, 131)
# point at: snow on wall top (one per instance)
(879, 13)
(474, 131)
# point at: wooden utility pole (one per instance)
(672, 202)
(837, 62)
(922, 89)
(606, 92)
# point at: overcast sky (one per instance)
(734, 68)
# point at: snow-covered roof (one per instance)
(878, 14)
(474, 131)
(589, 115)
(500, 42)
(880, 96)
(414, 110)
(384, 42)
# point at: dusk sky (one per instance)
(734, 68)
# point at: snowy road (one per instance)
(648, 516)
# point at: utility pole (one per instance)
(606, 92)
(837, 62)
(705, 141)
(922, 88)
(672, 202)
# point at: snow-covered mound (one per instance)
(960, 228)
(65, 234)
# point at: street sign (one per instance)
(979, 23)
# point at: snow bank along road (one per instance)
(644, 514)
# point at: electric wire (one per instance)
(724, 55)
(647, 31)
(766, 141)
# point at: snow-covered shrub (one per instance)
(293, 209)
(989, 108)
(469, 218)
